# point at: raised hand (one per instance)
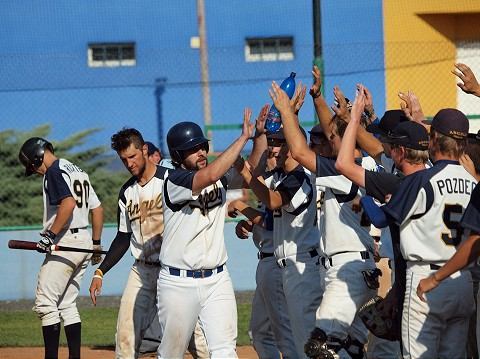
(280, 98)
(247, 127)
(369, 110)
(359, 103)
(316, 88)
(341, 110)
(298, 98)
(470, 84)
(411, 106)
(260, 121)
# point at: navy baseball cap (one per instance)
(409, 134)
(317, 134)
(452, 123)
(387, 123)
(151, 148)
(279, 136)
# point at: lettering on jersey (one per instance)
(208, 200)
(70, 167)
(455, 185)
(144, 209)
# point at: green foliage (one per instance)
(21, 328)
(21, 196)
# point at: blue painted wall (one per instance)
(45, 77)
(352, 36)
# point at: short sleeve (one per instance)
(297, 189)
(328, 176)
(57, 187)
(414, 197)
(380, 184)
(471, 217)
(233, 179)
(178, 186)
(123, 220)
(93, 201)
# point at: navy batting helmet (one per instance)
(184, 136)
(32, 152)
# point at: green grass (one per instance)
(21, 328)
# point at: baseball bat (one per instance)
(31, 246)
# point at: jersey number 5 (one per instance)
(82, 191)
(455, 236)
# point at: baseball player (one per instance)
(428, 207)
(292, 197)
(351, 276)
(68, 197)
(194, 281)
(269, 322)
(140, 227)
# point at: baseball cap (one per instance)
(279, 136)
(317, 134)
(410, 135)
(151, 148)
(451, 122)
(387, 123)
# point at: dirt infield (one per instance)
(244, 352)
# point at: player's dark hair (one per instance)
(473, 151)
(448, 145)
(121, 140)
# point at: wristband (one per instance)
(98, 276)
(50, 234)
(316, 94)
(98, 272)
(96, 242)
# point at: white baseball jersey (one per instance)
(140, 213)
(342, 231)
(194, 223)
(471, 217)
(64, 179)
(295, 224)
(428, 207)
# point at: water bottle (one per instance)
(274, 122)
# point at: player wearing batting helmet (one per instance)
(194, 281)
(68, 198)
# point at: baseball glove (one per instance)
(380, 322)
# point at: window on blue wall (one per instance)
(269, 49)
(111, 54)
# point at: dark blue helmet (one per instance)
(32, 152)
(184, 136)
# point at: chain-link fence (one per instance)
(52, 83)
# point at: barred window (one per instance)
(111, 54)
(269, 49)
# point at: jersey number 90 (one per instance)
(455, 236)
(82, 192)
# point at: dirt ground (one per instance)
(244, 352)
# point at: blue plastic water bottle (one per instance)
(274, 122)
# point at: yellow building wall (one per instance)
(420, 51)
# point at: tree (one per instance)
(21, 197)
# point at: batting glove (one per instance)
(96, 257)
(44, 245)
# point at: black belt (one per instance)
(75, 230)
(153, 264)
(283, 262)
(196, 273)
(363, 255)
(435, 266)
(262, 255)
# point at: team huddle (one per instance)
(360, 188)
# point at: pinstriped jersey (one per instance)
(194, 223)
(428, 207)
(343, 231)
(64, 179)
(140, 213)
(295, 224)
